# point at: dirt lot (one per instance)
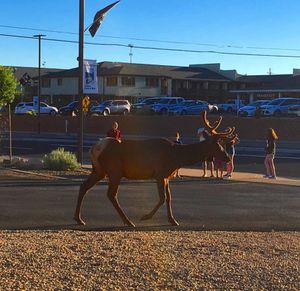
(162, 260)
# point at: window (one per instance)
(290, 102)
(46, 83)
(152, 82)
(128, 81)
(122, 102)
(111, 81)
(59, 82)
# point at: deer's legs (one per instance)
(161, 184)
(112, 194)
(169, 207)
(92, 179)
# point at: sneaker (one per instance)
(267, 176)
(204, 176)
(227, 176)
(272, 177)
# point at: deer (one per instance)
(156, 159)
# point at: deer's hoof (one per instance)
(79, 220)
(129, 223)
(173, 222)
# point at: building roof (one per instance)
(33, 72)
(270, 83)
(127, 69)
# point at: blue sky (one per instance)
(270, 27)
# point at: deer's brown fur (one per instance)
(156, 159)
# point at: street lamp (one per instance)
(39, 36)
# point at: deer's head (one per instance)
(218, 139)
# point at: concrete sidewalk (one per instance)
(237, 176)
(242, 176)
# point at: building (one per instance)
(133, 81)
(268, 86)
(118, 80)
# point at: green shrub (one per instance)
(59, 160)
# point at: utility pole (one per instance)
(130, 52)
(80, 81)
(93, 29)
(39, 36)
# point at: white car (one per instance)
(279, 106)
(250, 109)
(294, 111)
(25, 107)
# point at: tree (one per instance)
(8, 86)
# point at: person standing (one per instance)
(203, 135)
(114, 131)
(230, 150)
(270, 150)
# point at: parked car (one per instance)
(70, 109)
(162, 107)
(231, 105)
(111, 107)
(294, 110)
(73, 108)
(189, 107)
(144, 106)
(26, 107)
(251, 109)
(279, 106)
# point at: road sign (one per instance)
(85, 103)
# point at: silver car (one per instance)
(111, 107)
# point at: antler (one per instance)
(228, 133)
(210, 128)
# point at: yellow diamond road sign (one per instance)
(85, 103)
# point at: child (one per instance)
(114, 131)
(230, 150)
(218, 164)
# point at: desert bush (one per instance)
(60, 160)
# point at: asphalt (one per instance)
(247, 202)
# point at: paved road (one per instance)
(250, 153)
(247, 203)
(32, 143)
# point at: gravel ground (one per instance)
(162, 260)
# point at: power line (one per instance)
(156, 48)
(156, 40)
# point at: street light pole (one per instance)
(39, 36)
(80, 80)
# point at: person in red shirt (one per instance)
(114, 131)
